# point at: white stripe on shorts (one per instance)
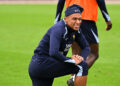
(96, 37)
(80, 70)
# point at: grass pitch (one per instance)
(23, 26)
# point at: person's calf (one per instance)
(80, 81)
(91, 59)
(81, 76)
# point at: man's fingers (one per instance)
(79, 59)
(109, 25)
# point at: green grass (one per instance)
(23, 26)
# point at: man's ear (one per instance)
(66, 19)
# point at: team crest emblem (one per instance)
(74, 36)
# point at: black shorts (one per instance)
(44, 69)
(89, 29)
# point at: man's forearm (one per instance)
(102, 6)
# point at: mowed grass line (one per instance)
(23, 26)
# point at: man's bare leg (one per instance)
(92, 57)
(80, 81)
(76, 50)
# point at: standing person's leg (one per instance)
(92, 57)
(90, 32)
(76, 50)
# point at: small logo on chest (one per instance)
(74, 36)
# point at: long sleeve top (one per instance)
(58, 39)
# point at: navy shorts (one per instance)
(89, 29)
(43, 70)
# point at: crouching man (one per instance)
(49, 60)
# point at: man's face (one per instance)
(73, 21)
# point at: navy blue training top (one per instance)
(57, 41)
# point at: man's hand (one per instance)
(78, 59)
(109, 25)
